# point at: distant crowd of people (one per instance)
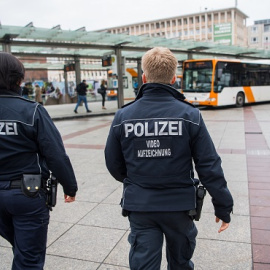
(39, 93)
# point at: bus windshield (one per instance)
(197, 76)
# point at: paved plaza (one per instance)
(91, 234)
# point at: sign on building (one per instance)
(223, 33)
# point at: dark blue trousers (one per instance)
(24, 224)
(146, 240)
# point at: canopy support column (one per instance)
(120, 92)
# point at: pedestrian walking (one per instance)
(25, 91)
(81, 94)
(38, 95)
(102, 90)
(31, 148)
(151, 147)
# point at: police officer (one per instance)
(151, 147)
(30, 146)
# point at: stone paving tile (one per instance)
(208, 229)
(6, 257)
(112, 267)
(258, 174)
(68, 264)
(260, 266)
(260, 179)
(261, 254)
(261, 237)
(56, 230)
(222, 255)
(260, 223)
(72, 212)
(86, 243)
(106, 216)
(259, 211)
(4, 243)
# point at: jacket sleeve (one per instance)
(114, 158)
(52, 149)
(208, 166)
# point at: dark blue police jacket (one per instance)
(30, 143)
(150, 148)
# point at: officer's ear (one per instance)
(19, 82)
(144, 80)
(173, 79)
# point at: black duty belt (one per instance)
(18, 183)
(15, 184)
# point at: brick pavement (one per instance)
(91, 234)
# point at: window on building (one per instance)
(168, 23)
(179, 22)
(209, 29)
(180, 33)
(185, 32)
(157, 25)
(254, 40)
(197, 31)
(174, 23)
(266, 39)
(191, 20)
(203, 30)
(222, 16)
(254, 29)
(209, 18)
(197, 19)
(185, 21)
(266, 28)
(203, 18)
(191, 32)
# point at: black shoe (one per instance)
(88, 111)
(75, 111)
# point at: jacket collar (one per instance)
(158, 87)
(5, 92)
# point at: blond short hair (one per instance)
(159, 65)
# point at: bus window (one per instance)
(228, 74)
(197, 76)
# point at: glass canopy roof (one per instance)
(64, 44)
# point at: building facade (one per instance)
(259, 34)
(226, 26)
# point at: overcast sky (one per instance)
(100, 14)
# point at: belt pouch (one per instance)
(31, 184)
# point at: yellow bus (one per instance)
(221, 82)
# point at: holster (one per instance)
(31, 184)
(200, 194)
(125, 213)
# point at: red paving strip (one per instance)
(231, 151)
(81, 132)
(258, 170)
(84, 146)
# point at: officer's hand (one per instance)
(69, 199)
(223, 226)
